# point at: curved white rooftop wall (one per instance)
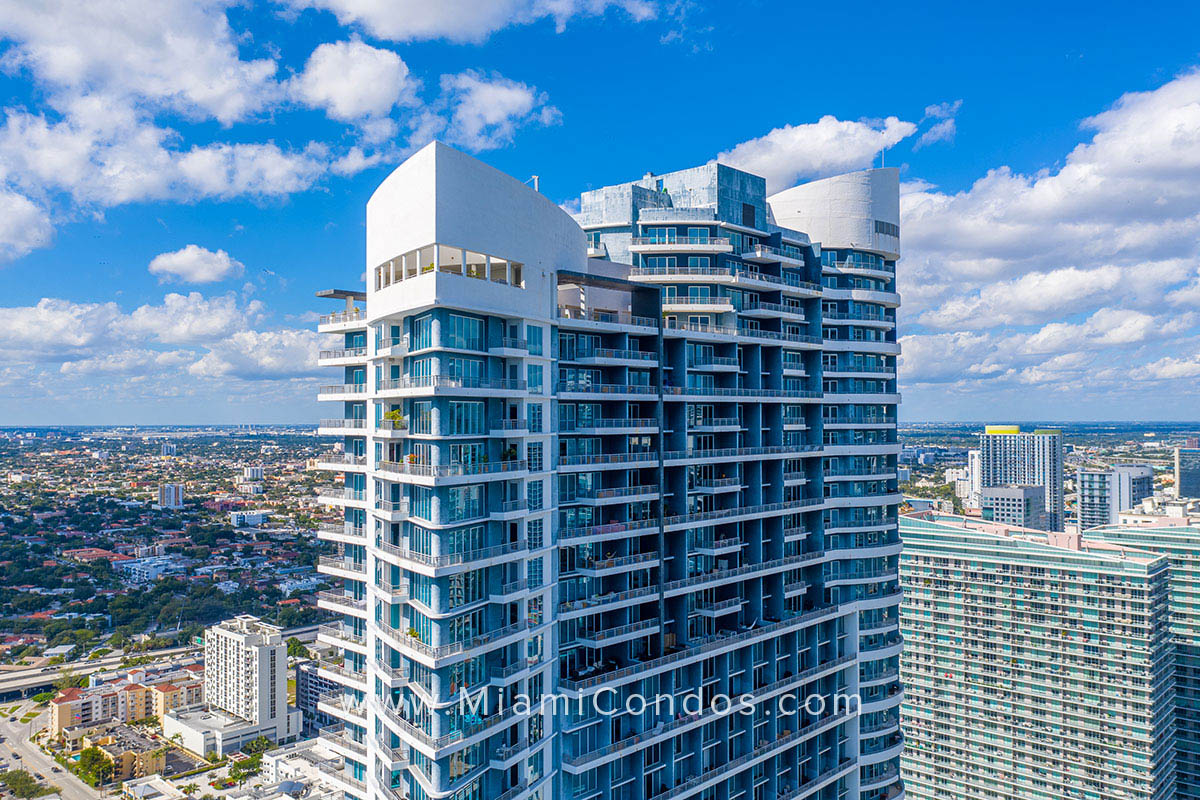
(442, 196)
(841, 211)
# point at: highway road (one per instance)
(16, 684)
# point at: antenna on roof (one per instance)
(536, 180)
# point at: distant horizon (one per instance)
(313, 424)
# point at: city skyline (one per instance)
(158, 259)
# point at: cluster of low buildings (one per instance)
(126, 696)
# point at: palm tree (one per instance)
(190, 788)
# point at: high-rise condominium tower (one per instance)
(637, 465)
(1180, 543)
(1009, 457)
(1105, 493)
(1036, 665)
(1187, 472)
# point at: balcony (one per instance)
(736, 513)
(683, 304)
(637, 390)
(715, 424)
(623, 633)
(509, 428)
(719, 608)
(341, 496)
(715, 364)
(391, 510)
(339, 674)
(450, 384)
(391, 347)
(342, 427)
(719, 547)
(733, 276)
(341, 637)
(433, 653)
(342, 568)
(766, 254)
(341, 321)
(781, 450)
(615, 357)
(716, 485)
(680, 244)
(720, 333)
(341, 706)
(598, 427)
(396, 592)
(336, 601)
(608, 530)
(621, 494)
(617, 319)
(792, 312)
(511, 509)
(392, 428)
(510, 346)
(343, 357)
(596, 568)
(421, 470)
(454, 559)
(339, 738)
(342, 391)
(755, 570)
(342, 462)
(644, 458)
(607, 602)
(341, 532)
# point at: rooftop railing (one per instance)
(353, 315)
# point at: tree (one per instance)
(68, 679)
(23, 785)
(93, 765)
(296, 648)
(259, 744)
(190, 788)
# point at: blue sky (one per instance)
(178, 177)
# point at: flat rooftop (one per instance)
(1065, 541)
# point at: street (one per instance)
(34, 761)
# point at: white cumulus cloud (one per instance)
(465, 20)
(195, 264)
(354, 82)
(816, 149)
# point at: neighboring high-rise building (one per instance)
(1024, 506)
(974, 479)
(311, 686)
(1037, 665)
(1105, 493)
(245, 669)
(170, 495)
(168, 449)
(1179, 541)
(252, 473)
(245, 690)
(665, 474)
(1008, 457)
(1187, 472)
